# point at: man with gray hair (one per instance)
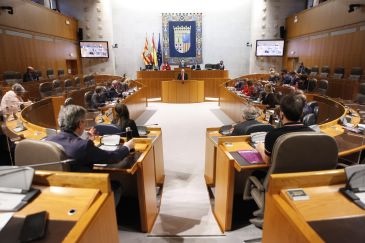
(249, 115)
(71, 120)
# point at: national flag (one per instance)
(153, 51)
(146, 53)
(159, 53)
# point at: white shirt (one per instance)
(10, 102)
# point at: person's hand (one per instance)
(92, 133)
(129, 144)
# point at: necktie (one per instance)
(182, 76)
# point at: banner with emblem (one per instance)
(182, 37)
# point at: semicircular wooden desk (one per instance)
(40, 117)
(221, 167)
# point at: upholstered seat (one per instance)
(46, 89)
(46, 152)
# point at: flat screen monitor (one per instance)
(269, 48)
(94, 49)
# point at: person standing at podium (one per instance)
(182, 75)
(166, 66)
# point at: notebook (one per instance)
(251, 156)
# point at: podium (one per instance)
(182, 91)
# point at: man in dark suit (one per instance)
(98, 99)
(30, 75)
(249, 115)
(220, 65)
(182, 75)
(72, 122)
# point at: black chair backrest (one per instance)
(257, 128)
(208, 66)
(68, 84)
(107, 129)
(325, 69)
(356, 71)
(362, 88)
(46, 89)
(60, 72)
(339, 72)
(77, 82)
(315, 69)
(39, 74)
(11, 77)
(57, 88)
(87, 99)
(312, 83)
(50, 73)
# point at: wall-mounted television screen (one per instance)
(269, 48)
(92, 49)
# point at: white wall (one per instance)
(267, 17)
(95, 18)
(225, 28)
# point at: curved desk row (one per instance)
(221, 168)
(148, 170)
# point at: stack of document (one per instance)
(110, 142)
(258, 137)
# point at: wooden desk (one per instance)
(89, 194)
(212, 80)
(144, 169)
(182, 91)
(305, 221)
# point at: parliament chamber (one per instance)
(183, 178)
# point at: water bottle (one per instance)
(128, 131)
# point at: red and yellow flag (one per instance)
(146, 54)
(154, 53)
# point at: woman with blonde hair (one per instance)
(268, 96)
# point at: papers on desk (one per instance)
(258, 137)
(110, 142)
(4, 219)
(361, 196)
(9, 201)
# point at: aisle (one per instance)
(185, 208)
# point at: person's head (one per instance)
(122, 111)
(30, 69)
(250, 112)
(99, 89)
(115, 83)
(291, 107)
(249, 83)
(183, 70)
(72, 119)
(301, 94)
(18, 89)
(68, 101)
(301, 64)
(268, 88)
(221, 62)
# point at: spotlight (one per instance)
(353, 7)
(10, 9)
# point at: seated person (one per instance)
(165, 66)
(294, 79)
(239, 85)
(114, 90)
(182, 63)
(286, 78)
(268, 97)
(98, 97)
(12, 100)
(291, 109)
(249, 115)
(249, 88)
(123, 121)
(30, 75)
(182, 75)
(72, 121)
(301, 69)
(220, 65)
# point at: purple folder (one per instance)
(251, 156)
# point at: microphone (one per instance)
(66, 161)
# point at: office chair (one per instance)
(45, 89)
(60, 73)
(107, 129)
(50, 73)
(77, 83)
(361, 95)
(325, 70)
(322, 87)
(68, 85)
(39, 74)
(355, 73)
(87, 81)
(68, 101)
(87, 101)
(294, 152)
(314, 71)
(56, 86)
(339, 72)
(46, 152)
(257, 128)
(11, 77)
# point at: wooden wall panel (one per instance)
(33, 17)
(19, 52)
(329, 15)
